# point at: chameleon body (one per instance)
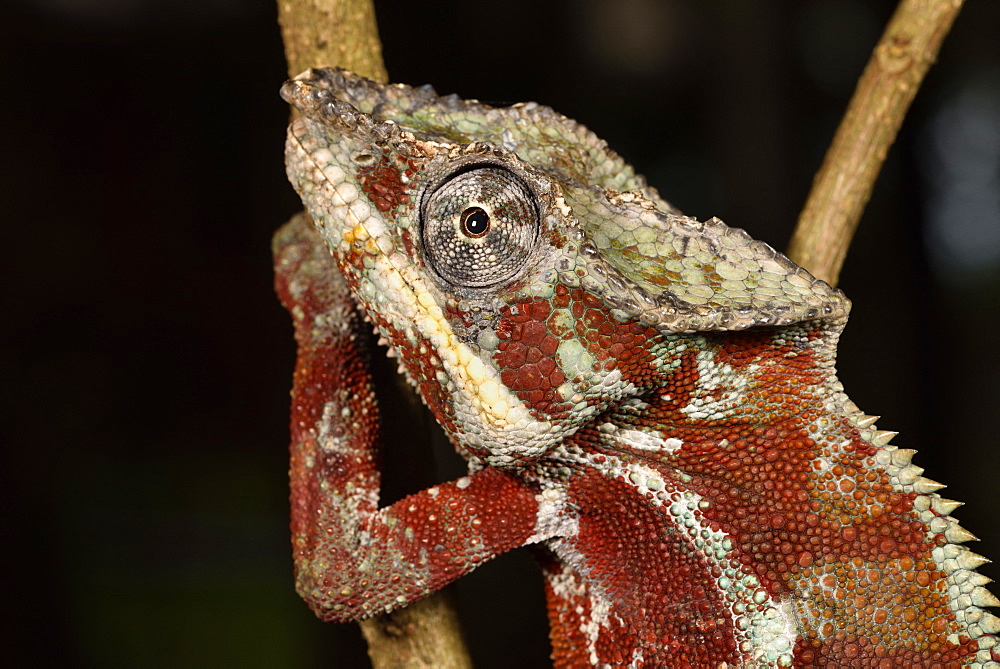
(648, 399)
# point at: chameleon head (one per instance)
(523, 273)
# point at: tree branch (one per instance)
(844, 183)
(424, 635)
(324, 33)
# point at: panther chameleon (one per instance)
(649, 399)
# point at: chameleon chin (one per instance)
(649, 399)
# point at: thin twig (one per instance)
(323, 33)
(885, 90)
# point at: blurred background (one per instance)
(146, 361)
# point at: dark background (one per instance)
(146, 362)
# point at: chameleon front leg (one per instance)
(354, 560)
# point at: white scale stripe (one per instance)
(765, 627)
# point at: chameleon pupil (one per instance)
(475, 222)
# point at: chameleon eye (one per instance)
(480, 226)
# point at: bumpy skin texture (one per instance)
(650, 399)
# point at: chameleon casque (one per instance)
(649, 399)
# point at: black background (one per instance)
(146, 362)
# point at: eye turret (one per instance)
(480, 226)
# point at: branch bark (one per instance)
(426, 634)
(887, 86)
(324, 33)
